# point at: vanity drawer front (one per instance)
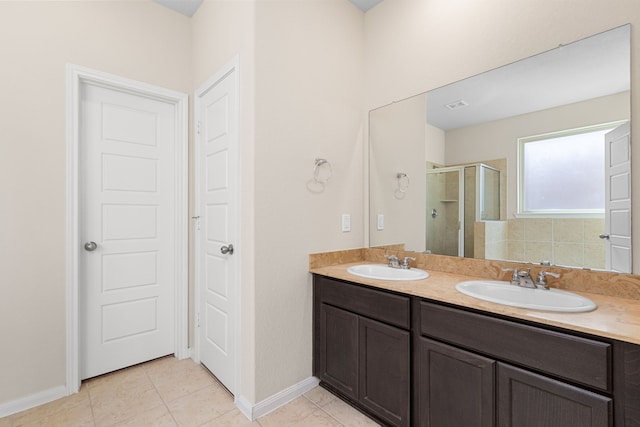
(576, 359)
(385, 307)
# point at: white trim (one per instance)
(230, 67)
(75, 76)
(33, 400)
(270, 404)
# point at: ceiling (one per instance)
(189, 7)
(590, 68)
(185, 7)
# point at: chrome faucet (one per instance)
(542, 279)
(521, 278)
(405, 262)
(394, 262)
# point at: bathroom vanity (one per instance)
(406, 359)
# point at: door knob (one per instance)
(227, 249)
(604, 236)
(90, 246)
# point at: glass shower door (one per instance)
(444, 211)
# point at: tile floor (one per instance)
(171, 392)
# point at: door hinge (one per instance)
(197, 320)
(198, 127)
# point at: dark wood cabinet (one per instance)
(385, 363)
(338, 346)
(497, 392)
(364, 359)
(455, 387)
(408, 361)
(526, 399)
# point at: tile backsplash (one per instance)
(572, 279)
(561, 241)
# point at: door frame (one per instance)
(75, 76)
(220, 74)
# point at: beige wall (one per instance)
(301, 98)
(498, 139)
(309, 92)
(222, 30)
(303, 89)
(396, 139)
(301, 95)
(37, 39)
(416, 45)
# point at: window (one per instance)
(562, 173)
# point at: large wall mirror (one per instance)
(529, 162)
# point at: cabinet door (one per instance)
(455, 387)
(526, 399)
(385, 353)
(338, 349)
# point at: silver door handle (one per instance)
(604, 236)
(90, 246)
(227, 249)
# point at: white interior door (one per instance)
(618, 199)
(217, 125)
(127, 227)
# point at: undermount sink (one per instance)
(537, 299)
(384, 272)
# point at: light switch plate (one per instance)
(346, 222)
(380, 222)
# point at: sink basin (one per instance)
(536, 299)
(384, 272)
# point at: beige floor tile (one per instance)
(126, 378)
(160, 363)
(320, 419)
(156, 417)
(49, 409)
(201, 406)
(347, 415)
(233, 418)
(118, 402)
(177, 378)
(290, 414)
(320, 396)
(6, 421)
(77, 416)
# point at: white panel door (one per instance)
(126, 225)
(618, 199)
(217, 183)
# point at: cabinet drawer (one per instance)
(576, 359)
(378, 305)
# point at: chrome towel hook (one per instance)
(322, 173)
(402, 185)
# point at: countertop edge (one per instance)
(615, 318)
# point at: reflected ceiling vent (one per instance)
(457, 105)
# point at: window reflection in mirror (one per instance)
(586, 83)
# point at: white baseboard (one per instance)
(28, 402)
(184, 353)
(279, 399)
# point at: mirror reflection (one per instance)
(529, 162)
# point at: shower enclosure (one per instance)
(457, 197)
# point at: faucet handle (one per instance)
(542, 278)
(523, 273)
(405, 262)
(393, 260)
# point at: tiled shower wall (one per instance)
(570, 242)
